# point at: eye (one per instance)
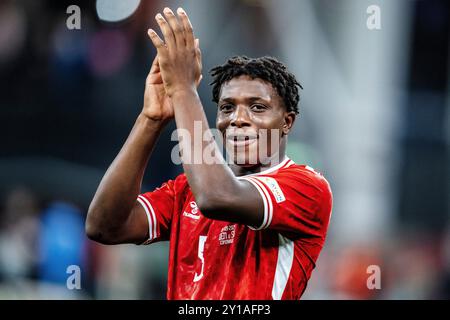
(258, 107)
(226, 108)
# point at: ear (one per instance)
(289, 118)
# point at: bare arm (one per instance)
(114, 216)
(218, 193)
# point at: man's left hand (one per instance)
(179, 54)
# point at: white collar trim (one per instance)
(271, 169)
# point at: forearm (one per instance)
(201, 176)
(121, 184)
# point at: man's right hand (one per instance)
(157, 105)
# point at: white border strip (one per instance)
(269, 170)
(290, 163)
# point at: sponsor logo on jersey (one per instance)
(227, 234)
(273, 186)
(194, 214)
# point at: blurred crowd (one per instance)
(39, 242)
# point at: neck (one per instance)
(270, 162)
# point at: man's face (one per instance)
(253, 120)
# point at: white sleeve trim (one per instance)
(266, 202)
(264, 188)
(151, 218)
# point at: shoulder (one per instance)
(303, 177)
(181, 179)
(306, 173)
(178, 184)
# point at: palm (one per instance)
(157, 105)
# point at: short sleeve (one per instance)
(159, 207)
(296, 202)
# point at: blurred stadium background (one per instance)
(374, 119)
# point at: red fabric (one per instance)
(239, 262)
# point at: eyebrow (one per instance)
(251, 99)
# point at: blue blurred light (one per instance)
(62, 242)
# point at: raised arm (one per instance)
(114, 216)
(218, 193)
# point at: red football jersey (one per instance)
(211, 259)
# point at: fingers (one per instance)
(155, 65)
(197, 46)
(177, 29)
(156, 40)
(198, 53)
(155, 78)
(166, 31)
(199, 80)
(187, 26)
(178, 36)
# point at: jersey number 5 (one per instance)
(201, 247)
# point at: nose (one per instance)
(240, 117)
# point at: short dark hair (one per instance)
(265, 68)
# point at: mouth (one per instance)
(241, 140)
